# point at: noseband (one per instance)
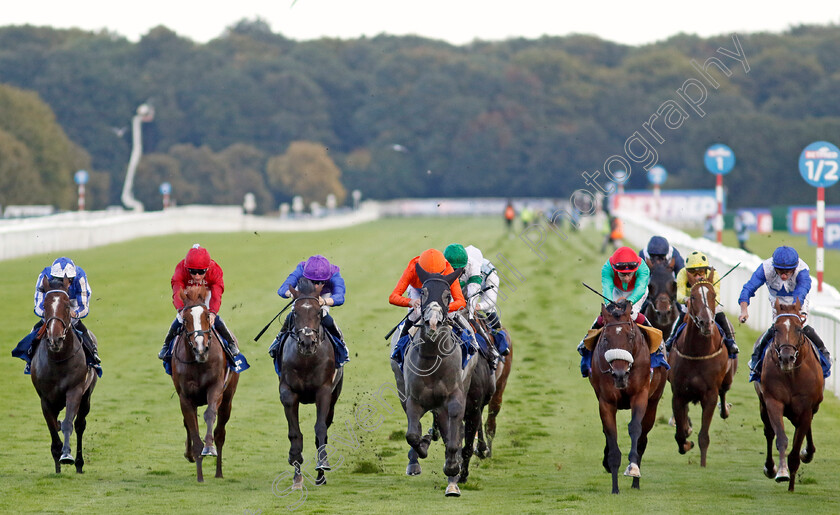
(613, 354)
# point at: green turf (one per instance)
(548, 451)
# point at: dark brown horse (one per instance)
(701, 370)
(202, 377)
(791, 386)
(61, 375)
(485, 447)
(309, 375)
(481, 391)
(432, 379)
(622, 379)
(662, 310)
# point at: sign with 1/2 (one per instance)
(719, 159)
(819, 164)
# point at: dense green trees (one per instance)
(253, 111)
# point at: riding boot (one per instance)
(174, 329)
(728, 334)
(87, 342)
(278, 341)
(225, 333)
(581, 346)
(342, 353)
(812, 335)
(493, 321)
(758, 350)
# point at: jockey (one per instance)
(432, 261)
(487, 304)
(658, 249)
(197, 269)
(624, 276)
(787, 279)
(470, 259)
(320, 271)
(698, 268)
(79, 293)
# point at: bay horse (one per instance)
(701, 370)
(201, 376)
(61, 375)
(485, 446)
(791, 386)
(432, 379)
(662, 310)
(480, 393)
(622, 379)
(309, 375)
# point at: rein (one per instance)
(694, 318)
(778, 347)
(76, 348)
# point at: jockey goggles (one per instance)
(626, 267)
(197, 271)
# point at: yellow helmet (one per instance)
(697, 260)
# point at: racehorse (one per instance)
(61, 375)
(622, 379)
(432, 378)
(701, 370)
(481, 391)
(484, 448)
(202, 377)
(309, 375)
(662, 310)
(791, 386)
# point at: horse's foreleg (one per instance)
(775, 413)
(323, 407)
(472, 424)
(220, 432)
(290, 406)
(81, 424)
(451, 419)
(612, 454)
(679, 408)
(74, 399)
(637, 414)
(413, 434)
(214, 399)
(708, 406)
(769, 463)
(189, 411)
(803, 428)
(807, 454)
(54, 427)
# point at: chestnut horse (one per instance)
(622, 379)
(309, 375)
(61, 375)
(202, 377)
(662, 310)
(701, 370)
(791, 386)
(485, 446)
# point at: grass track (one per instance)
(548, 449)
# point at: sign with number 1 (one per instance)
(819, 164)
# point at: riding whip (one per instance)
(727, 273)
(264, 329)
(597, 293)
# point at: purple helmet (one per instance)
(317, 268)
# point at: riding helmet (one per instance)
(197, 258)
(625, 260)
(63, 267)
(658, 246)
(317, 268)
(456, 255)
(785, 258)
(697, 260)
(432, 261)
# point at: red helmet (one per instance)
(625, 260)
(197, 258)
(432, 261)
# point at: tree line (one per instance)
(253, 111)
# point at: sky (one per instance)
(456, 21)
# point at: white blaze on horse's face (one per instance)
(704, 294)
(195, 313)
(54, 304)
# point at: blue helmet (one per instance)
(63, 267)
(785, 258)
(658, 246)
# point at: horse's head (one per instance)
(701, 307)
(435, 295)
(789, 335)
(196, 322)
(662, 290)
(56, 328)
(618, 341)
(307, 315)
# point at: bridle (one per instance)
(190, 336)
(611, 355)
(777, 347)
(696, 318)
(64, 323)
(314, 333)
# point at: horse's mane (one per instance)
(616, 310)
(195, 294)
(57, 283)
(305, 286)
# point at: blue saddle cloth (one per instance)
(22, 351)
(755, 373)
(502, 341)
(467, 348)
(342, 355)
(237, 364)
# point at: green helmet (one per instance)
(456, 255)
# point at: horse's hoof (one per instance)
(724, 409)
(297, 482)
(323, 465)
(769, 473)
(672, 422)
(210, 450)
(632, 470)
(413, 469)
(782, 478)
(687, 446)
(805, 457)
(67, 459)
(322, 480)
(452, 490)
(189, 458)
(480, 453)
